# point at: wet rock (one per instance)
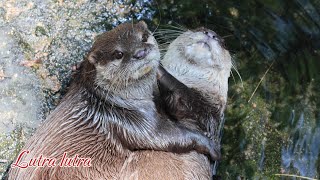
(40, 42)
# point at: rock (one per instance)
(40, 41)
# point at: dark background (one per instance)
(278, 130)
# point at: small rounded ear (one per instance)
(142, 24)
(94, 56)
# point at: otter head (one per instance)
(200, 60)
(123, 60)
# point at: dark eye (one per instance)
(145, 37)
(118, 54)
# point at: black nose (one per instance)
(210, 34)
(140, 54)
(213, 35)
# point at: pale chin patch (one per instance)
(199, 52)
(216, 48)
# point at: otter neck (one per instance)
(131, 96)
(213, 82)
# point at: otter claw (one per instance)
(215, 154)
(209, 135)
(209, 148)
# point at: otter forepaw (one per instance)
(209, 148)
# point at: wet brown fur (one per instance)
(107, 123)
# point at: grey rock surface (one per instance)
(40, 41)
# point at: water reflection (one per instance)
(302, 152)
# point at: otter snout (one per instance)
(212, 35)
(141, 54)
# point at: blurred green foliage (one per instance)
(283, 35)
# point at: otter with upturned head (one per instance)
(201, 65)
(109, 112)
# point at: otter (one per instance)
(108, 113)
(193, 85)
(201, 68)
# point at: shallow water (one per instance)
(302, 150)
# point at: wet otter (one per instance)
(202, 68)
(197, 98)
(109, 112)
